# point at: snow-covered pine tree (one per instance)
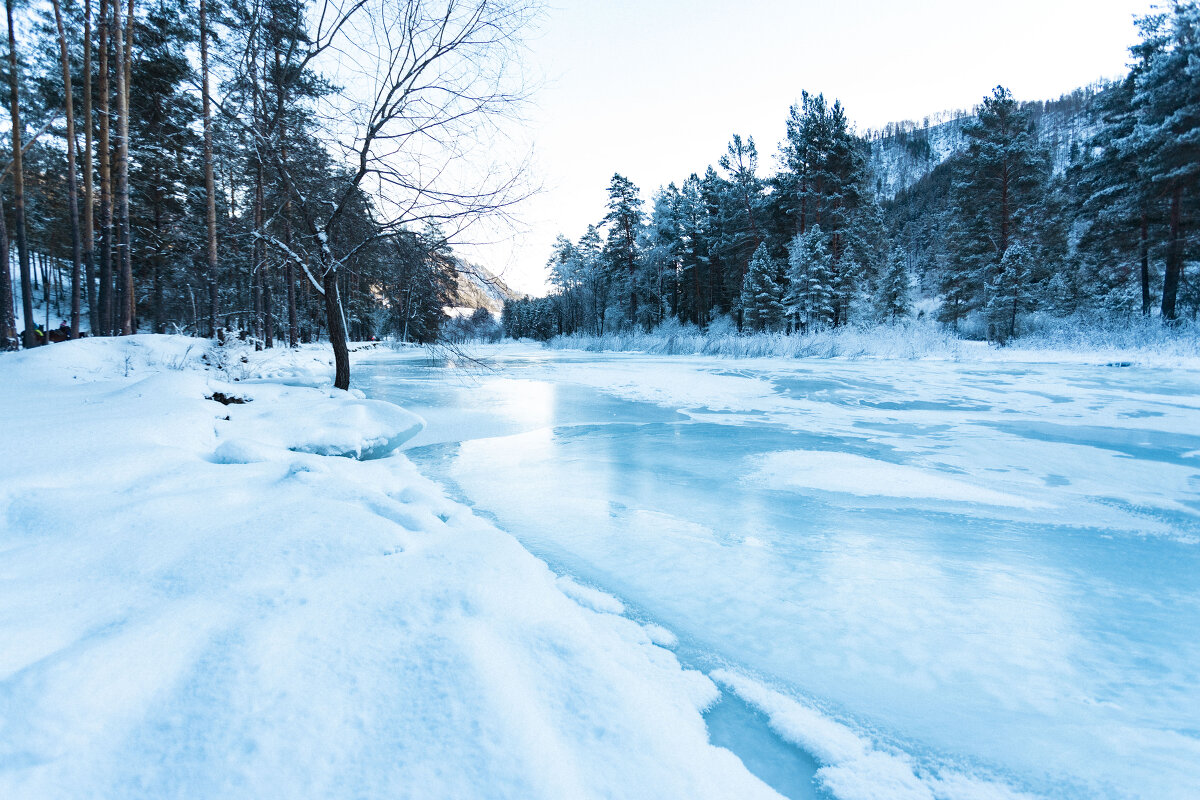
(999, 183)
(761, 301)
(809, 300)
(1117, 209)
(893, 296)
(624, 219)
(1167, 99)
(1009, 292)
(741, 211)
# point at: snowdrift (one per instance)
(201, 597)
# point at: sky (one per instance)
(654, 89)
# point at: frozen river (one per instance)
(936, 579)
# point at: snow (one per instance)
(981, 571)
(854, 769)
(1115, 341)
(845, 472)
(260, 600)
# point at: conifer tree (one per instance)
(624, 219)
(1167, 99)
(1009, 292)
(893, 296)
(809, 300)
(761, 300)
(1117, 203)
(999, 184)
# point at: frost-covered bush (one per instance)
(1132, 338)
(1147, 335)
(904, 339)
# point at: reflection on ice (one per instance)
(992, 568)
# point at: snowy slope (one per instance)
(480, 288)
(204, 600)
(904, 152)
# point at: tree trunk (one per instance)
(89, 236)
(259, 249)
(337, 331)
(1144, 252)
(259, 260)
(124, 263)
(72, 178)
(18, 170)
(1174, 256)
(157, 306)
(8, 321)
(210, 192)
(268, 308)
(107, 323)
(288, 268)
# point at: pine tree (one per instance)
(1167, 99)
(999, 184)
(1117, 205)
(741, 209)
(624, 219)
(824, 182)
(1009, 293)
(761, 299)
(809, 300)
(893, 295)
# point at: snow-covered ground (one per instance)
(955, 578)
(262, 600)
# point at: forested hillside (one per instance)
(280, 170)
(1082, 206)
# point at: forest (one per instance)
(283, 171)
(1014, 220)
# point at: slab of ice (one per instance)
(853, 474)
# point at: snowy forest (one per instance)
(1009, 217)
(197, 168)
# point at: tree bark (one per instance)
(89, 198)
(281, 127)
(8, 321)
(210, 192)
(259, 259)
(72, 177)
(18, 170)
(1174, 255)
(107, 323)
(259, 249)
(337, 330)
(121, 46)
(1144, 252)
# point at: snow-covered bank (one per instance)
(198, 599)
(1140, 341)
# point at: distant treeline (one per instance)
(987, 236)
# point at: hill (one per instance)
(478, 287)
(902, 153)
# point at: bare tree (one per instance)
(428, 85)
(72, 177)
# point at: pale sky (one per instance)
(654, 89)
